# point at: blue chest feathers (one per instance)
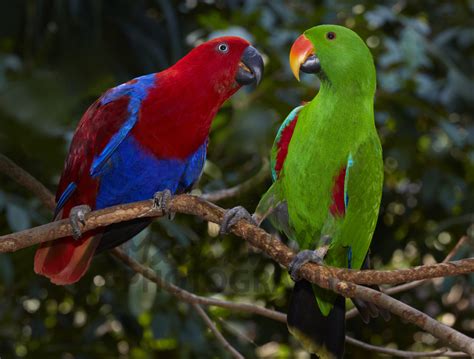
(133, 174)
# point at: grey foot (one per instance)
(366, 310)
(325, 241)
(162, 200)
(232, 216)
(304, 257)
(77, 219)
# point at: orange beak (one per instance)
(301, 49)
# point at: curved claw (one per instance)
(368, 309)
(162, 200)
(77, 219)
(232, 216)
(303, 257)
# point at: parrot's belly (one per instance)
(133, 174)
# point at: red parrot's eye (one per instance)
(223, 47)
(331, 35)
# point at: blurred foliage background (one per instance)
(57, 56)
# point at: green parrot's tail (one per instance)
(319, 334)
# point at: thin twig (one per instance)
(195, 300)
(184, 295)
(225, 344)
(243, 187)
(403, 353)
(249, 308)
(411, 285)
(445, 224)
(447, 334)
(191, 297)
(230, 328)
(23, 178)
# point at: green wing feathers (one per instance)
(363, 189)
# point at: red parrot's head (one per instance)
(226, 63)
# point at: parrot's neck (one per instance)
(343, 103)
(355, 92)
(343, 116)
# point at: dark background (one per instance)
(58, 56)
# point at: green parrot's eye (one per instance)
(223, 47)
(331, 35)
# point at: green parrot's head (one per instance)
(337, 55)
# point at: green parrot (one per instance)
(327, 170)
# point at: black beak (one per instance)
(311, 65)
(250, 67)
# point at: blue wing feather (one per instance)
(136, 90)
(67, 193)
(193, 169)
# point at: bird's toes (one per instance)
(234, 215)
(77, 219)
(162, 200)
(300, 259)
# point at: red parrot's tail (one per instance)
(66, 260)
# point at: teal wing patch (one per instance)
(350, 163)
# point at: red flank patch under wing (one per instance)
(338, 207)
(283, 144)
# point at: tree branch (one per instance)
(411, 285)
(195, 300)
(320, 275)
(192, 298)
(408, 313)
(225, 344)
(466, 218)
(256, 236)
(189, 297)
(23, 178)
(403, 353)
(326, 277)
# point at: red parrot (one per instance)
(146, 136)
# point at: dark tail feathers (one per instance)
(324, 336)
(118, 233)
